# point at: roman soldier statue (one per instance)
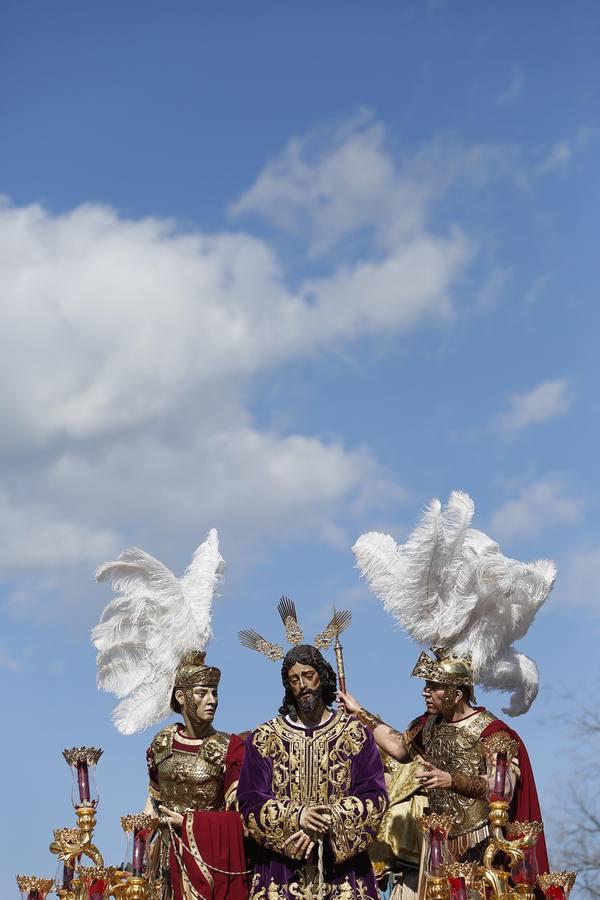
(449, 586)
(151, 641)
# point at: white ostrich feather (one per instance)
(450, 586)
(146, 628)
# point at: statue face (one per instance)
(440, 699)
(200, 703)
(305, 684)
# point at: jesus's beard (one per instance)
(308, 703)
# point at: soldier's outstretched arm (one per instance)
(387, 738)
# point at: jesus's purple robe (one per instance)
(286, 767)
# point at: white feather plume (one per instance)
(146, 628)
(450, 586)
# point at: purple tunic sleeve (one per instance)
(268, 820)
(356, 818)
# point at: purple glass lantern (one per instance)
(500, 750)
(139, 829)
(436, 829)
(525, 871)
(82, 761)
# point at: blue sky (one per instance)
(288, 270)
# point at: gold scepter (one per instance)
(340, 621)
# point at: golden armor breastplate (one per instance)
(191, 780)
(453, 748)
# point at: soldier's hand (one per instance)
(431, 778)
(350, 703)
(316, 818)
(302, 845)
(174, 818)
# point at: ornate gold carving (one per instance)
(287, 610)
(437, 888)
(251, 639)
(563, 879)
(311, 769)
(498, 814)
(457, 748)
(86, 818)
(500, 742)
(191, 671)
(94, 873)
(70, 843)
(524, 891)
(353, 825)
(452, 670)
(315, 769)
(524, 829)
(135, 821)
(324, 638)
(466, 870)
(90, 755)
(496, 878)
(190, 781)
(341, 620)
(277, 821)
(136, 888)
(437, 821)
(32, 883)
(67, 836)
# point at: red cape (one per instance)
(525, 806)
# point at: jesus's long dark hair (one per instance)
(307, 655)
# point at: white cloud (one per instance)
(128, 348)
(556, 158)
(325, 187)
(534, 407)
(345, 184)
(345, 187)
(514, 89)
(538, 506)
(36, 536)
(108, 323)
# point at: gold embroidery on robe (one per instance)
(314, 769)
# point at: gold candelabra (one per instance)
(70, 845)
(450, 880)
(513, 841)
